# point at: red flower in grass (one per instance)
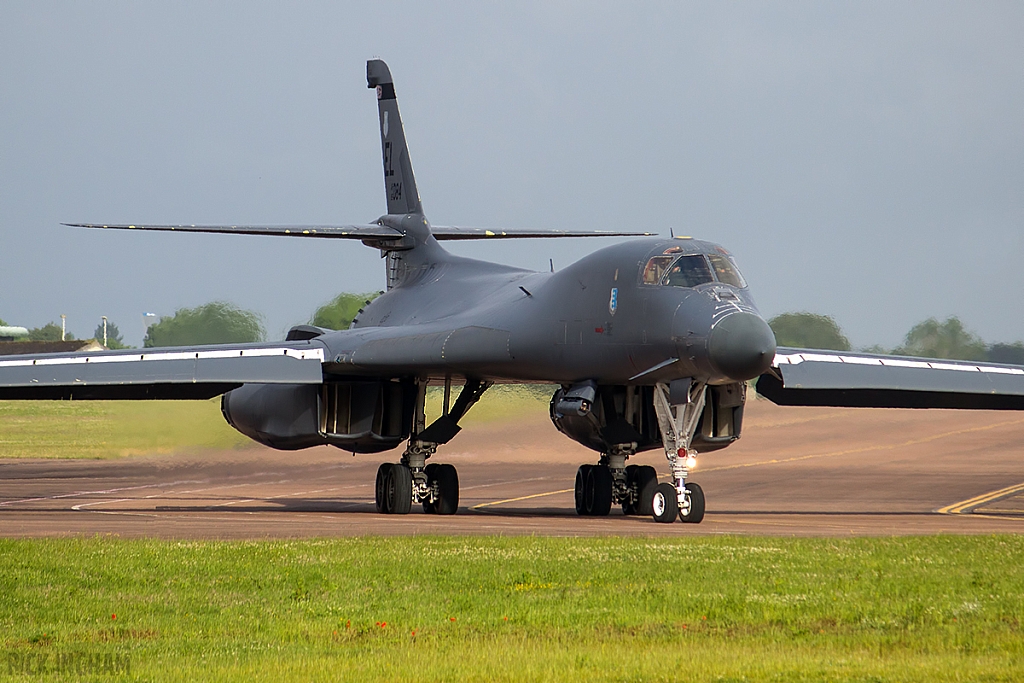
(113, 616)
(452, 619)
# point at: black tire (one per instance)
(398, 490)
(597, 493)
(378, 488)
(692, 511)
(581, 480)
(646, 478)
(664, 503)
(447, 489)
(430, 471)
(628, 508)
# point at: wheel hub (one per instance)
(659, 503)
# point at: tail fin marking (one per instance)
(399, 181)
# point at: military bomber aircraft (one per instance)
(651, 343)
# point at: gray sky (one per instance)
(864, 160)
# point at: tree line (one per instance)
(217, 322)
(930, 338)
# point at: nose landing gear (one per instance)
(678, 423)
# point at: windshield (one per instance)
(726, 271)
(655, 269)
(692, 270)
(689, 271)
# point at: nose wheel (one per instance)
(691, 507)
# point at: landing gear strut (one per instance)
(434, 486)
(678, 408)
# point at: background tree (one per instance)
(337, 314)
(809, 331)
(48, 332)
(114, 339)
(947, 339)
(215, 323)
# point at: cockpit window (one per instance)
(689, 271)
(726, 271)
(655, 269)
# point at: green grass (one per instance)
(500, 402)
(535, 609)
(105, 429)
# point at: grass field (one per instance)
(105, 429)
(534, 609)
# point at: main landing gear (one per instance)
(636, 487)
(435, 486)
(611, 481)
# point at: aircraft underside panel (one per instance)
(831, 378)
(624, 415)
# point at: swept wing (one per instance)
(807, 377)
(159, 373)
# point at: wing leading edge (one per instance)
(804, 377)
(159, 373)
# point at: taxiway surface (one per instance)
(796, 471)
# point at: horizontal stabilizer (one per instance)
(354, 232)
(370, 231)
(451, 232)
(803, 377)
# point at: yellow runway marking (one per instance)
(779, 461)
(978, 501)
(513, 500)
(865, 449)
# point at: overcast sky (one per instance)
(862, 160)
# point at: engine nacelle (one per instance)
(359, 416)
(603, 417)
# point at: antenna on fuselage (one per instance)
(551, 262)
(672, 233)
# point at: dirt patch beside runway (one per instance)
(797, 471)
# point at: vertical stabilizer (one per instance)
(399, 182)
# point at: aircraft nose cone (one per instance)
(742, 346)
